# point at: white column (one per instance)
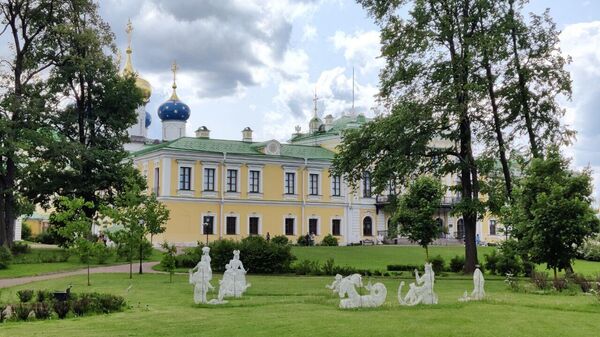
(18, 226)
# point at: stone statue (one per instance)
(347, 287)
(233, 283)
(335, 285)
(201, 277)
(421, 291)
(478, 292)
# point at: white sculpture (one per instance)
(478, 292)
(347, 287)
(335, 285)
(201, 277)
(233, 283)
(421, 291)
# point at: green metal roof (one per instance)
(337, 127)
(237, 147)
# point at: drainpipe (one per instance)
(303, 195)
(221, 212)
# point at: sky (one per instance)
(258, 63)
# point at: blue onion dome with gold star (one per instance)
(148, 120)
(174, 109)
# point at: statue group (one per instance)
(346, 288)
(233, 283)
(420, 291)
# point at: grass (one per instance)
(301, 306)
(73, 263)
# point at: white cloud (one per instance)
(361, 49)
(309, 33)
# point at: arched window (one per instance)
(460, 229)
(440, 225)
(367, 226)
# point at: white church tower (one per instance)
(138, 132)
(173, 113)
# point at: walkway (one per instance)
(121, 268)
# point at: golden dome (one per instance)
(140, 82)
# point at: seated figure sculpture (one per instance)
(478, 292)
(421, 291)
(347, 287)
(200, 276)
(335, 285)
(233, 283)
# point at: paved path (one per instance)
(121, 268)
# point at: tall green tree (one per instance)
(29, 27)
(416, 210)
(86, 158)
(552, 214)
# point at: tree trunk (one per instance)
(498, 127)
(88, 274)
(523, 91)
(427, 253)
(141, 256)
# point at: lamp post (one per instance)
(206, 231)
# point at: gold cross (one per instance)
(129, 30)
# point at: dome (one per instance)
(148, 119)
(174, 110)
(314, 124)
(145, 87)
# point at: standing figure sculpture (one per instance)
(233, 283)
(347, 287)
(421, 291)
(478, 292)
(200, 277)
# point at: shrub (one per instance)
(457, 264)
(42, 310)
(221, 251)
(307, 267)
(590, 250)
(48, 237)
(107, 303)
(303, 240)
(491, 262)
(540, 280)
(21, 311)
(186, 260)
(504, 261)
(560, 284)
(263, 257)
(329, 240)
(403, 267)
(61, 308)
(512, 282)
(44, 295)
(25, 295)
(280, 240)
(5, 257)
(19, 248)
(2, 314)
(25, 232)
(329, 267)
(437, 264)
(82, 305)
(103, 253)
(582, 282)
(123, 251)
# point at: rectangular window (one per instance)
(336, 188)
(289, 226)
(313, 225)
(290, 183)
(492, 227)
(336, 225)
(367, 185)
(254, 181)
(231, 222)
(232, 180)
(253, 225)
(185, 178)
(157, 181)
(313, 184)
(209, 179)
(208, 225)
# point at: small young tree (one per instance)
(552, 213)
(168, 261)
(416, 210)
(77, 229)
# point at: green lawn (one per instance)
(301, 306)
(32, 269)
(378, 257)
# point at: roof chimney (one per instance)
(203, 132)
(247, 135)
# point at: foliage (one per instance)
(540, 280)
(25, 232)
(42, 310)
(280, 240)
(437, 264)
(552, 213)
(416, 209)
(49, 237)
(505, 260)
(307, 267)
(303, 240)
(457, 264)
(103, 253)
(22, 311)
(20, 248)
(44, 295)
(404, 267)
(581, 281)
(329, 240)
(81, 305)
(590, 250)
(5, 257)
(61, 308)
(512, 282)
(25, 295)
(168, 262)
(560, 283)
